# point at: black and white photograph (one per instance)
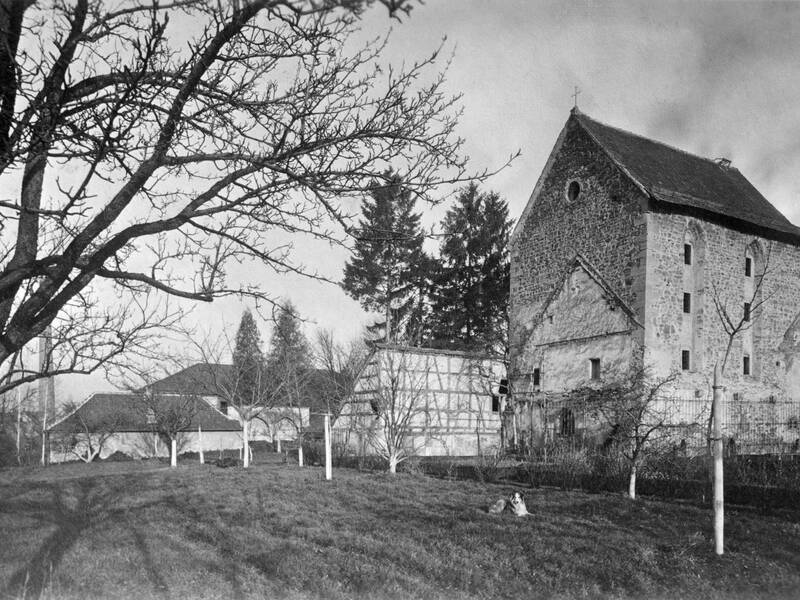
(398, 299)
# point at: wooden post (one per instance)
(328, 459)
(200, 444)
(716, 433)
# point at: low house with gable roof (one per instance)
(107, 423)
(124, 422)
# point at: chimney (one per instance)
(723, 162)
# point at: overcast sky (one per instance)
(715, 79)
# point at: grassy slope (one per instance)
(142, 531)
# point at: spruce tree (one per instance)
(470, 296)
(289, 358)
(289, 347)
(384, 272)
(248, 362)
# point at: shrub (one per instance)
(8, 450)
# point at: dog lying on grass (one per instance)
(515, 503)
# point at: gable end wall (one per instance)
(605, 224)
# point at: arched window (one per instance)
(752, 272)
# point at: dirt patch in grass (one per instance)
(135, 530)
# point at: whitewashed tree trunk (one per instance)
(393, 463)
(328, 458)
(19, 421)
(245, 444)
(278, 450)
(200, 444)
(719, 501)
(632, 483)
(173, 453)
(300, 454)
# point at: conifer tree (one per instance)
(289, 362)
(470, 297)
(246, 388)
(289, 347)
(248, 362)
(385, 269)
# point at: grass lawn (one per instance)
(141, 530)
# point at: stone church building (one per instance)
(628, 249)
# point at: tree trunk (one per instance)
(632, 483)
(200, 444)
(245, 444)
(393, 463)
(328, 458)
(719, 504)
(300, 454)
(173, 453)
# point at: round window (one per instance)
(573, 191)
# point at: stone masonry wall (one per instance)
(605, 224)
(773, 341)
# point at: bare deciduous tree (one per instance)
(339, 368)
(169, 416)
(89, 436)
(639, 417)
(399, 401)
(137, 168)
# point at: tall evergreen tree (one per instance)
(470, 298)
(384, 271)
(289, 361)
(247, 387)
(248, 362)
(289, 347)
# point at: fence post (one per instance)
(200, 444)
(716, 433)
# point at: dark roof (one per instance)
(202, 379)
(678, 178)
(212, 379)
(128, 413)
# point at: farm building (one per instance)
(633, 255)
(422, 402)
(211, 381)
(107, 423)
(122, 423)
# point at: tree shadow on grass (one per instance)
(206, 527)
(71, 514)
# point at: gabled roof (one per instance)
(211, 379)
(123, 412)
(580, 262)
(680, 179)
(202, 379)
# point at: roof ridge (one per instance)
(579, 115)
